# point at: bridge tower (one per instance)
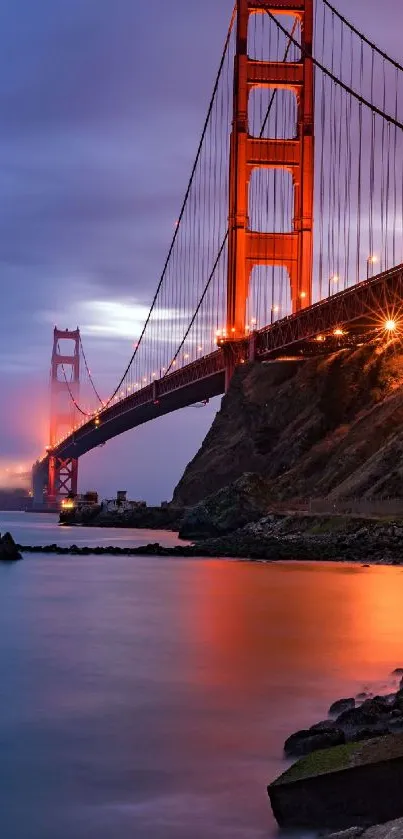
(64, 377)
(248, 248)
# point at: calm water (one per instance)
(150, 697)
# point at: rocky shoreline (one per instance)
(275, 538)
(235, 522)
(349, 770)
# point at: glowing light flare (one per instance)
(67, 504)
(390, 325)
(338, 332)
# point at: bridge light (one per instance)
(390, 325)
(233, 329)
(276, 308)
(320, 337)
(302, 295)
(253, 321)
(335, 278)
(371, 260)
(338, 332)
(186, 356)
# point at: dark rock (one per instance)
(390, 830)
(399, 700)
(375, 730)
(398, 671)
(304, 742)
(8, 549)
(395, 723)
(241, 502)
(295, 424)
(371, 711)
(355, 784)
(324, 725)
(341, 705)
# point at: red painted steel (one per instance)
(247, 248)
(363, 307)
(62, 472)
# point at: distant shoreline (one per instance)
(279, 553)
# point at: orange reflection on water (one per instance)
(295, 622)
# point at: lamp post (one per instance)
(371, 260)
(333, 280)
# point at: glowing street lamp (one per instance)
(372, 260)
(390, 325)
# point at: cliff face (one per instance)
(330, 426)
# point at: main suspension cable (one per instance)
(335, 79)
(177, 227)
(362, 36)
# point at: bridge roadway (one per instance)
(362, 308)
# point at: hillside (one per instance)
(324, 427)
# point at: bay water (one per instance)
(146, 697)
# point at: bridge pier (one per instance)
(39, 484)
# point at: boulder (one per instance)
(357, 784)
(320, 736)
(390, 830)
(369, 717)
(341, 705)
(8, 549)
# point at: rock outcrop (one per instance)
(375, 716)
(8, 549)
(390, 830)
(326, 427)
(244, 501)
(356, 784)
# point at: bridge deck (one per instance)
(360, 309)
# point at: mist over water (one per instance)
(145, 697)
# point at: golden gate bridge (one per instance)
(289, 240)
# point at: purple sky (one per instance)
(101, 107)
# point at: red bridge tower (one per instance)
(64, 380)
(248, 248)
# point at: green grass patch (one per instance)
(334, 524)
(321, 762)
